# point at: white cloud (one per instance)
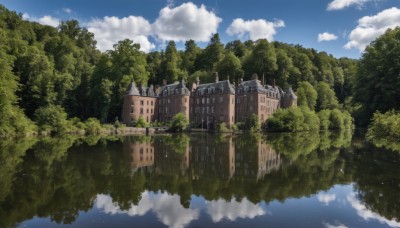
(254, 29)
(326, 37)
(232, 210)
(109, 30)
(370, 27)
(341, 4)
(328, 225)
(184, 22)
(326, 198)
(45, 20)
(167, 208)
(67, 10)
(49, 20)
(367, 214)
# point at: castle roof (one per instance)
(177, 88)
(216, 87)
(291, 94)
(132, 90)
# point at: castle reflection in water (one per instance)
(204, 155)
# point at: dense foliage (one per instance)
(303, 119)
(377, 84)
(179, 122)
(384, 129)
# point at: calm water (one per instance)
(200, 180)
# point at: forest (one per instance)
(55, 78)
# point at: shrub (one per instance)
(92, 126)
(179, 122)
(222, 127)
(384, 125)
(51, 118)
(252, 123)
(141, 122)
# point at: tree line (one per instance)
(60, 69)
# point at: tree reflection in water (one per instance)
(59, 177)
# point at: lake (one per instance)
(326, 179)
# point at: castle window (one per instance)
(151, 102)
(213, 100)
(141, 110)
(141, 102)
(208, 100)
(212, 109)
(169, 101)
(131, 102)
(132, 110)
(202, 100)
(198, 100)
(221, 118)
(147, 102)
(185, 99)
(147, 111)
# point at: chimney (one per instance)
(263, 80)
(273, 83)
(216, 77)
(255, 76)
(157, 90)
(164, 82)
(197, 81)
(241, 80)
(228, 79)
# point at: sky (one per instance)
(342, 28)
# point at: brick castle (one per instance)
(206, 105)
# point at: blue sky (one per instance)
(339, 27)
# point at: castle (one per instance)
(206, 105)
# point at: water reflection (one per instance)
(58, 178)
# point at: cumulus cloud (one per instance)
(167, 208)
(110, 30)
(254, 29)
(49, 20)
(367, 214)
(326, 36)
(232, 210)
(45, 20)
(339, 225)
(370, 27)
(67, 10)
(184, 22)
(326, 198)
(341, 4)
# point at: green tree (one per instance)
(261, 60)
(326, 97)
(252, 123)
(211, 55)
(140, 122)
(51, 118)
(229, 66)
(376, 86)
(306, 95)
(170, 64)
(179, 122)
(189, 56)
